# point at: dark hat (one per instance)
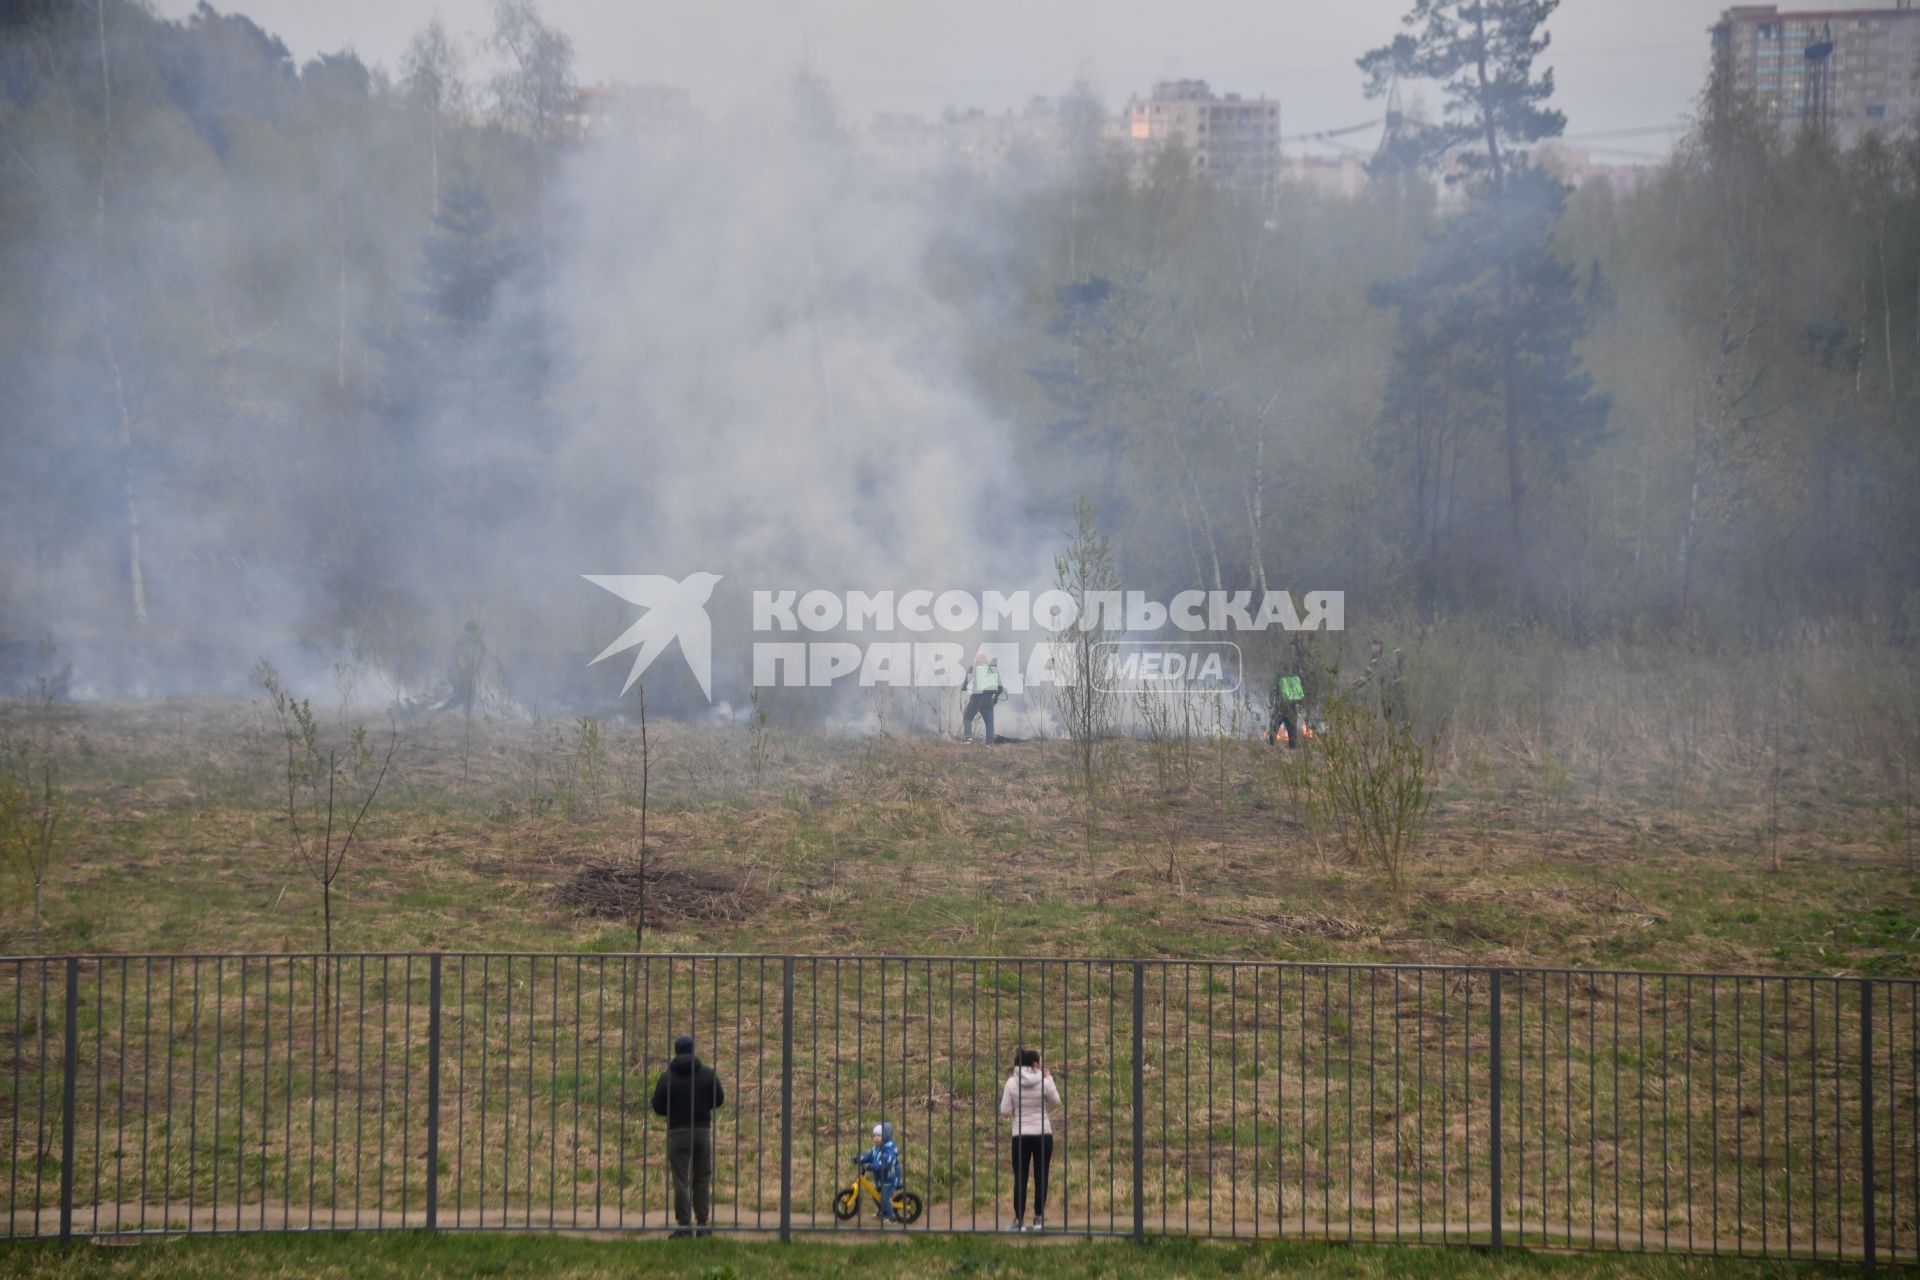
(683, 1044)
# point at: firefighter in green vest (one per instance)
(982, 682)
(1287, 695)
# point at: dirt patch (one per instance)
(614, 891)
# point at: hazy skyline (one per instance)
(1621, 64)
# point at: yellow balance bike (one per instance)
(905, 1207)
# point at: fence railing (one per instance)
(1596, 1110)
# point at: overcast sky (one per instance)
(1621, 64)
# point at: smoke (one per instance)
(756, 341)
(341, 374)
(753, 378)
(714, 351)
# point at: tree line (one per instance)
(252, 310)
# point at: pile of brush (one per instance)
(615, 891)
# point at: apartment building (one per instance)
(1844, 71)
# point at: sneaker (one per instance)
(1039, 1225)
(1017, 1226)
(683, 1233)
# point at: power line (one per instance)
(1325, 135)
(1575, 53)
(1331, 137)
(1638, 131)
(1349, 148)
(1595, 135)
(1630, 155)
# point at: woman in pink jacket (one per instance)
(1028, 1097)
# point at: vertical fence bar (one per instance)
(786, 1099)
(433, 1091)
(1139, 1103)
(69, 1072)
(1493, 1142)
(19, 1052)
(1867, 1242)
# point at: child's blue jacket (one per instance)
(883, 1161)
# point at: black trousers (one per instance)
(690, 1162)
(1285, 715)
(980, 704)
(1035, 1151)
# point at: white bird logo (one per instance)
(674, 611)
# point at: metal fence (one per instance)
(1594, 1110)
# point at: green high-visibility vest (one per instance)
(986, 678)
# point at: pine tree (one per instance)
(465, 382)
(1482, 52)
(1492, 275)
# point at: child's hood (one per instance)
(886, 1132)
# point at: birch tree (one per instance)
(433, 72)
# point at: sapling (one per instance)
(587, 772)
(646, 777)
(1378, 784)
(346, 675)
(33, 802)
(32, 808)
(331, 787)
(1084, 571)
(1556, 784)
(760, 739)
(1155, 710)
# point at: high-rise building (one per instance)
(1843, 71)
(1233, 140)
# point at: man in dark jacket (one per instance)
(688, 1093)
